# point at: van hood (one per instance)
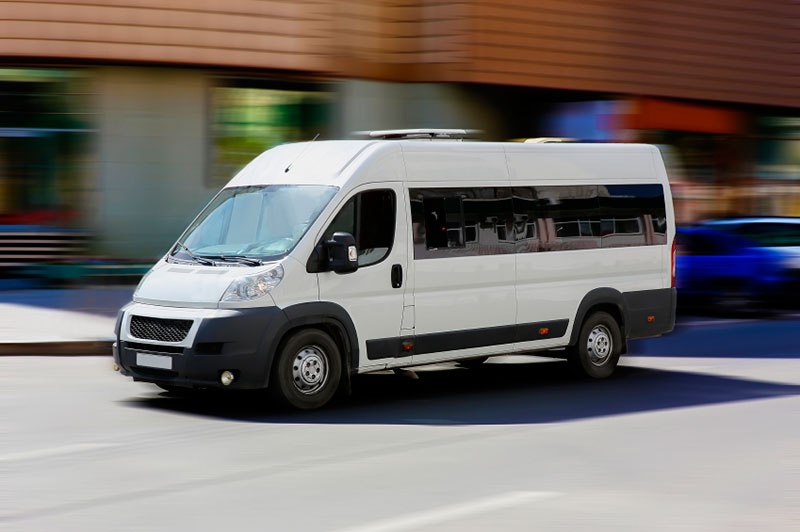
(193, 286)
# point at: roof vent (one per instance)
(431, 134)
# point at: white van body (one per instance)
(454, 251)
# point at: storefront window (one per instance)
(250, 116)
(779, 148)
(45, 146)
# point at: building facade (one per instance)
(120, 119)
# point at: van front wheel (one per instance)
(599, 346)
(307, 372)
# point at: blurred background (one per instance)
(120, 120)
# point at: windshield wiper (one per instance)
(239, 258)
(201, 260)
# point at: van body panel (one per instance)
(551, 285)
(464, 293)
(581, 163)
(297, 286)
(445, 165)
(307, 163)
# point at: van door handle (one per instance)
(397, 276)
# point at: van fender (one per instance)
(311, 314)
(604, 298)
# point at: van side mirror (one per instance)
(342, 253)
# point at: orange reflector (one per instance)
(544, 331)
(651, 319)
(408, 346)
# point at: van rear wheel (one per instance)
(307, 372)
(599, 346)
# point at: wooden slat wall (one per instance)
(403, 40)
(729, 50)
(279, 34)
(744, 51)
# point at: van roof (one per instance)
(331, 161)
(303, 162)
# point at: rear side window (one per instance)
(452, 222)
(370, 217)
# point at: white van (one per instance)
(321, 260)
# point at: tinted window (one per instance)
(633, 215)
(370, 217)
(485, 221)
(461, 222)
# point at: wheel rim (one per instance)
(310, 370)
(599, 345)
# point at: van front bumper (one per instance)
(193, 347)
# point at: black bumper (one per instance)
(243, 342)
(650, 313)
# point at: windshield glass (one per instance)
(256, 222)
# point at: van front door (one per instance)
(373, 295)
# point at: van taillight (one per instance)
(672, 261)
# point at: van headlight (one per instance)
(253, 286)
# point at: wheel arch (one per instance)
(329, 318)
(604, 299)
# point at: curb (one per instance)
(75, 348)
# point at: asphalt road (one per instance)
(698, 431)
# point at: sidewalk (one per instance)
(69, 321)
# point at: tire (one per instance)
(307, 372)
(599, 346)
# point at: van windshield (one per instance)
(252, 224)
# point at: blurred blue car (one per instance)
(722, 271)
(780, 238)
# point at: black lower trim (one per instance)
(643, 313)
(234, 342)
(245, 341)
(650, 312)
(465, 339)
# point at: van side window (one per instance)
(370, 217)
(438, 232)
(458, 222)
(633, 215)
(462, 222)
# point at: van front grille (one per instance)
(159, 329)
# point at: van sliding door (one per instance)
(464, 270)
